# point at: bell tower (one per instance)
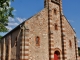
(57, 2)
(54, 27)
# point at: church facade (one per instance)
(45, 36)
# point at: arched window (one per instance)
(56, 26)
(37, 41)
(70, 43)
(55, 11)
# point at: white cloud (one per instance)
(14, 10)
(20, 19)
(78, 40)
(13, 24)
(71, 20)
(74, 28)
(9, 28)
(11, 19)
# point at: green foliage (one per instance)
(0, 37)
(79, 50)
(5, 13)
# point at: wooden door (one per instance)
(55, 57)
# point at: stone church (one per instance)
(45, 36)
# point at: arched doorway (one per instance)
(56, 55)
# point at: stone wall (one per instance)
(78, 58)
(15, 44)
(38, 26)
(55, 30)
(69, 37)
(41, 36)
(11, 49)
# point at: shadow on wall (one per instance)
(79, 50)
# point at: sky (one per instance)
(23, 9)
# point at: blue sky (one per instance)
(24, 9)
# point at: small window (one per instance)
(55, 11)
(37, 41)
(56, 27)
(70, 43)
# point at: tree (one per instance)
(5, 13)
(0, 37)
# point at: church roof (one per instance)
(17, 27)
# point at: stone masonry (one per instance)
(45, 36)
